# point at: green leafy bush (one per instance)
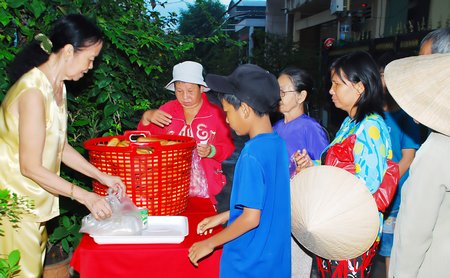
(136, 61)
(139, 51)
(10, 267)
(11, 209)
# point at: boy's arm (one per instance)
(406, 160)
(210, 222)
(248, 220)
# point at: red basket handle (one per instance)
(132, 135)
(134, 148)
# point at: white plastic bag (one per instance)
(199, 184)
(125, 219)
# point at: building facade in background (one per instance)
(244, 17)
(336, 27)
(355, 20)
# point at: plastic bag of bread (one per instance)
(125, 219)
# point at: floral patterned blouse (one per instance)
(371, 149)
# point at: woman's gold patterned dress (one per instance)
(30, 238)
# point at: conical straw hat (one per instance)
(420, 85)
(333, 213)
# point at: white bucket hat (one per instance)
(190, 72)
(333, 213)
(420, 85)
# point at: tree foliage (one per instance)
(202, 21)
(136, 61)
(12, 207)
(9, 267)
(274, 53)
(137, 58)
(201, 18)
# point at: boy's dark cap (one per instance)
(250, 84)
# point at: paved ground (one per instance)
(224, 200)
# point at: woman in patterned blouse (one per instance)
(357, 89)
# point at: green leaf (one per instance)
(66, 221)
(5, 18)
(4, 193)
(6, 54)
(4, 265)
(129, 123)
(16, 3)
(82, 122)
(148, 70)
(65, 246)
(63, 211)
(80, 149)
(57, 234)
(110, 108)
(103, 97)
(14, 257)
(104, 82)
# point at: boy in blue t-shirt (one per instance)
(257, 239)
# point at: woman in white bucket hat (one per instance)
(420, 85)
(191, 114)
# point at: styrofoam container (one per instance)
(160, 229)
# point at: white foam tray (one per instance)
(160, 229)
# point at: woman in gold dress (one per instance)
(33, 140)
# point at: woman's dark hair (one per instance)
(384, 59)
(357, 67)
(382, 62)
(74, 29)
(301, 80)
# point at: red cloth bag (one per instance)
(341, 155)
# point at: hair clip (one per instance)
(45, 43)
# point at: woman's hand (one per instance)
(157, 117)
(113, 182)
(97, 205)
(203, 150)
(302, 160)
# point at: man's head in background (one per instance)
(437, 41)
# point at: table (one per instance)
(150, 260)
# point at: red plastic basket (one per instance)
(158, 181)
